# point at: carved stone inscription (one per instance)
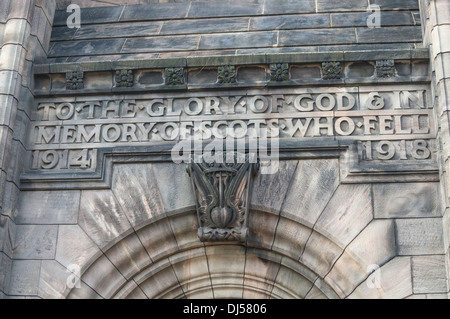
(389, 123)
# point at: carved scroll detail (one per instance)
(222, 188)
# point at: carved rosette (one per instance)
(226, 74)
(385, 68)
(75, 80)
(331, 70)
(222, 188)
(279, 72)
(174, 76)
(124, 78)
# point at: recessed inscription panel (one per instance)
(393, 124)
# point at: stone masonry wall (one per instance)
(140, 231)
(25, 27)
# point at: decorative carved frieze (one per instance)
(222, 187)
(331, 70)
(385, 68)
(174, 76)
(279, 72)
(226, 74)
(124, 78)
(75, 80)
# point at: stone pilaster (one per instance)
(436, 27)
(25, 27)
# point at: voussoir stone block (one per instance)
(313, 184)
(320, 254)
(347, 213)
(129, 256)
(54, 280)
(269, 190)
(373, 247)
(82, 254)
(103, 277)
(136, 191)
(175, 187)
(101, 217)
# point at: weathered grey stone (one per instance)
(192, 272)
(290, 21)
(151, 235)
(393, 281)
(82, 254)
(174, 186)
(160, 282)
(130, 291)
(205, 26)
(161, 43)
(396, 34)
(374, 246)
(269, 190)
(290, 238)
(53, 280)
(307, 72)
(316, 37)
(129, 256)
(237, 40)
(260, 274)
(155, 11)
(429, 274)
(185, 229)
(48, 207)
(294, 285)
(86, 47)
(135, 188)
(251, 74)
(24, 280)
(345, 5)
(320, 254)
(5, 266)
(346, 214)
(406, 200)
(95, 277)
(35, 241)
(421, 236)
(226, 265)
(312, 185)
(7, 234)
(262, 226)
(101, 217)
(288, 6)
(84, 292)
(360, 19)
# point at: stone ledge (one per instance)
(239, 59)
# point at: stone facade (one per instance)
(96, 203)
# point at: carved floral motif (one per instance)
(75, 80)
(174, 76)
(331, 70)
(279, 72)
(124, 78)
(385, 68)
(226, 74)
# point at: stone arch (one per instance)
(135, 268)
(324, 248)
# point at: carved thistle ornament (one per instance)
(222, 187)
